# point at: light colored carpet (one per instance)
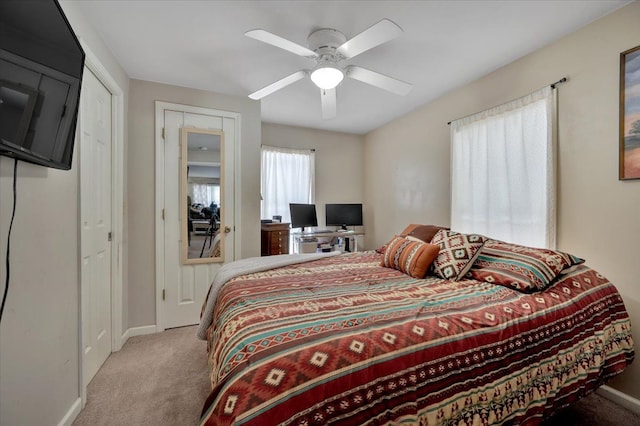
(158, 379)
(195, 248)
(162, 379)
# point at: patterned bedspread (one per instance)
(343, 340)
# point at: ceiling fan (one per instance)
(328, 47)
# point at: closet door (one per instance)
(95, 219)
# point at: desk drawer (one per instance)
(275, 239)
(279, 242)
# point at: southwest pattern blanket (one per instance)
(343, 340)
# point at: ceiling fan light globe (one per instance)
(327, 77)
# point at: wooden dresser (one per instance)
(275, 238)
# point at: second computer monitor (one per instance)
(343, 215)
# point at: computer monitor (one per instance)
(303, 215)
(343, 215)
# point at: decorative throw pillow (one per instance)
(382, 249)
(421, 232)
(457, 253)
(522, 268)
(410, 257)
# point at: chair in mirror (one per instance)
(201, 195)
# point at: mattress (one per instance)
(343, 340)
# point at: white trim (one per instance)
(125, 336)
(237, 192)
(620, 398)
(159, 196)
(142, 330)
(117, 208)
(160, 107)
(72, 414)
(138, 331)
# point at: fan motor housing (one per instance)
(326, 41)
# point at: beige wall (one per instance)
(339, 162)
(406, 161)
(405, 166)
(39, 361)
(406, 175)
(141, 178)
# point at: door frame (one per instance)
(160, 108)
(93, 64)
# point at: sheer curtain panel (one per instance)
(206, 194)
(288, 176)
(503, 181)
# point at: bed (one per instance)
(341, 339)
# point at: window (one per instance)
(206, 194)
(503, 171)
(287, 177)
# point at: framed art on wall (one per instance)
(630, 114)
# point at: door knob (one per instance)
(227, 229)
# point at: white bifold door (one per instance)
(95, 223)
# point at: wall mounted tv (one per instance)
(343, 215)
(41, 64)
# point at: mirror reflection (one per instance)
(202, 199)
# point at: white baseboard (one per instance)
(138, 331)
(71, 415)
(620, 398)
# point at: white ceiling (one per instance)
(446, 44)
(203, 142)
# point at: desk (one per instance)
(303, 241)
(200, 225)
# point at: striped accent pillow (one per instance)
(522, 268)
(410, 257)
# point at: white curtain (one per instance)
(288, 176)
(503, 171)
(206, 194)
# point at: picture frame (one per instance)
(630, 114)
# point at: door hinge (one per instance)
(109, 236)
(162, 214)
(164, 293)
(163, 133)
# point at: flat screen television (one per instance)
(303, 215)
(41, 65)
(343, 215)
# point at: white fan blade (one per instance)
(282, 43)
(378, 80)
(278, 85)
(328, 97)
(373, 36)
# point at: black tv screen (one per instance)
(343, 215)
(303, 215)
(16, 107)
(41, 65)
